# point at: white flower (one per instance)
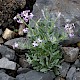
(15, 18)
(24, 13)
(35, 44)
(15, 45)
(67, 26)
(71, 35)
(25, 30)
(39, 40)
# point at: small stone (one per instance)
(7, 52)
(59, 78)
(6, 64)
(34, 75)
(70, 54)
(1, 40)
(76, 76)
(20, 31)
(8, 34)
(65, 67)
(70, 73)
(1, 32)
(23, 63)
(4, 76)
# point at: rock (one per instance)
(22, 42)
(70, 73)
(70, 11)
(76, 76)
(20, 31)
(2, 70)
(33, 75)
(22, 70)
(1, 40)
(65, 67)
(70, 41)
(59, 78)
(30, 3)
(8, 9)
(5, 63)
(77, 63)
(8, 34)
(23, 63)
(4, 76)
(70, 54)
(12, 73)
(7, 52)
(1, 32)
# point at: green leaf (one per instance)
(44, 70)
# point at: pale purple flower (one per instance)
(73, 25)
(25, 19)
(15, 45)
(71, 35)
(19, 21)
(25, 15)
(15, 18)
(67, 26)
(35, 44)
(25, 30)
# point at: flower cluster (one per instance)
(25, 15)
(70, 29)
(36, 43)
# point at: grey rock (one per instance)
(70, 41)
(33, 75)
(23, 70)
(76, 76)
(6, 64)
(2, 70)
(77, 63)
(21, 42)
(7, 52)
(70, 73)
(70, 54)
(1, 40)
(70, 10)
(4, 76)
(1, 31)
(65, 67)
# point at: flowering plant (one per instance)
(43, 43)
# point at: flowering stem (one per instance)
(26, 24)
